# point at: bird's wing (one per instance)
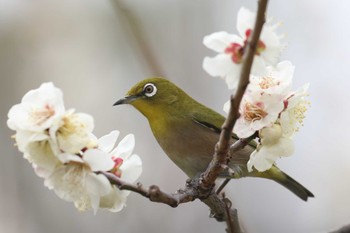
(212, 120)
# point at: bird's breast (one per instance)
(189, 145)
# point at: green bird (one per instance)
(187, 131)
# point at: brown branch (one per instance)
(153, 193)
(222, 147)
(221, 156)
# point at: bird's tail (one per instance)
(282, 178)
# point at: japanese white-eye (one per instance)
(187, 131)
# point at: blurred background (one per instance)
(96, 50)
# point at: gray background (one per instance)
(87, 50)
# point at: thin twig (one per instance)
(153, 193)
(132, 26)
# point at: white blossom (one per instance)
(128, 167)
(73, 133)
(273, 145)
(296, 106)
(256, 112)
(76, 180)
(39, 110)
(277, 82)
(62, 149)
(230, 49)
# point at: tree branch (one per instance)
(221, 156)
(222, 147)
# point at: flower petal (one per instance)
(245, 21)
(242, 128)
(67, 157)
(107, 142)
(220, 65)
(219, 41)
(232, 78)
(125, 147)
(38, 109)
(131, 169)
(98, 160)
(115, 200)
(261, 160)
(96, 186)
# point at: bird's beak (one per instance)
(127, 99)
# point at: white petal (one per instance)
(250, 163)
(17, 117)
(271, 135)
(270, 37)
(66, 158)
(219, 41)
(85, 119)
(96, 186)
(131, 169)
(273, 44)
(227, 106)
(125, 147)
(262, 162)
(24, 138)
(284, 148)
(41, 154)
(259, 66)
(232, 78)
(98, 160)
(274, 108)
(57, 182)
(115, 200)
(245, 21)
(242, 128)
(220, 65)
(38, 109)
(107, 142)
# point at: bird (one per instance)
(188, 131)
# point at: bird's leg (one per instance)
(222, 186)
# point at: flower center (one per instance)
(254, 112)
(299, 112)
(116, 169)
(236, 52)
(268, 82)
(41, 115)
(261, 45)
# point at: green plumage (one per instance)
(187, 131)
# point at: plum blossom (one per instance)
(257, 111)
(278, 80)
(270, 45)
(227, 63)
(293, 115)
(62, 149)
(127, 166)
(273, 145)
(73, 133)
(39, 110)
(76, 180)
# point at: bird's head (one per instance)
(154, 96)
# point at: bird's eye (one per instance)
(150, 89)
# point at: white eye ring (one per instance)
(150, 89)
